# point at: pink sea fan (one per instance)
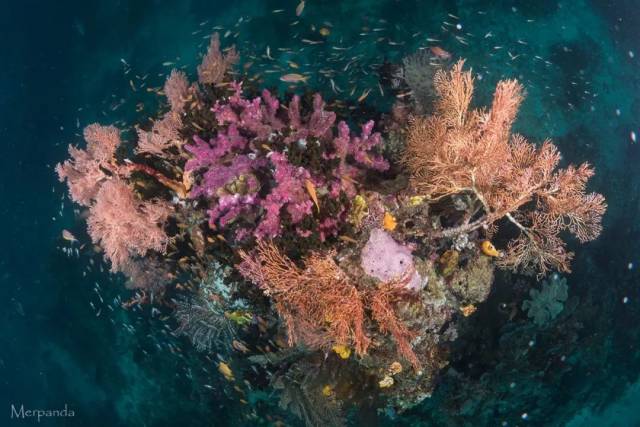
(102, 141)
(215, 64)
(124, 226)
(85, 170)
(147, 274)
(175, 89)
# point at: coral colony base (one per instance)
(341, 256)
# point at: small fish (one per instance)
(324, 31)
(307, 41)
(294, 78)
(225, 370)
(440, 52)
(66, 235)
(364, 95)
(347, 239)
(300, 8)
(311, 189)
(239, 346)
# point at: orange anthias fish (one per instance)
(440, 52)
(311, 189)
(66, 235)
(294, 78)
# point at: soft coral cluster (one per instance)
(254, 137)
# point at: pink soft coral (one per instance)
(85, 171)
(124, 226)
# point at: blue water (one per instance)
(63, 67)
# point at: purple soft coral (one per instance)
(237, 153)
(289, 192)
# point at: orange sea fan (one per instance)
(318, 304)
(458, 150)
(381, 302)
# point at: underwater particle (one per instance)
(327, 390)
(386, 382)
(633, 136)
(389, 222)
(226, 371)
(625, 300)
(631, 54)
(630, 266)
(468, 310)
(488, 249)
(458, 26)
(618, 112)
(524, 416)
(512, 385)
(532, 343)
(342, 350)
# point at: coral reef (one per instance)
(349, 263)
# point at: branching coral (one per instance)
(318, 304)
(256, 137)
(458, 150)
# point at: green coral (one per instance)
(545, 304)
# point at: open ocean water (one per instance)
(66, 64)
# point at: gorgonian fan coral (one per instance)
(457, 150)
(330, 247)
(125, 226)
